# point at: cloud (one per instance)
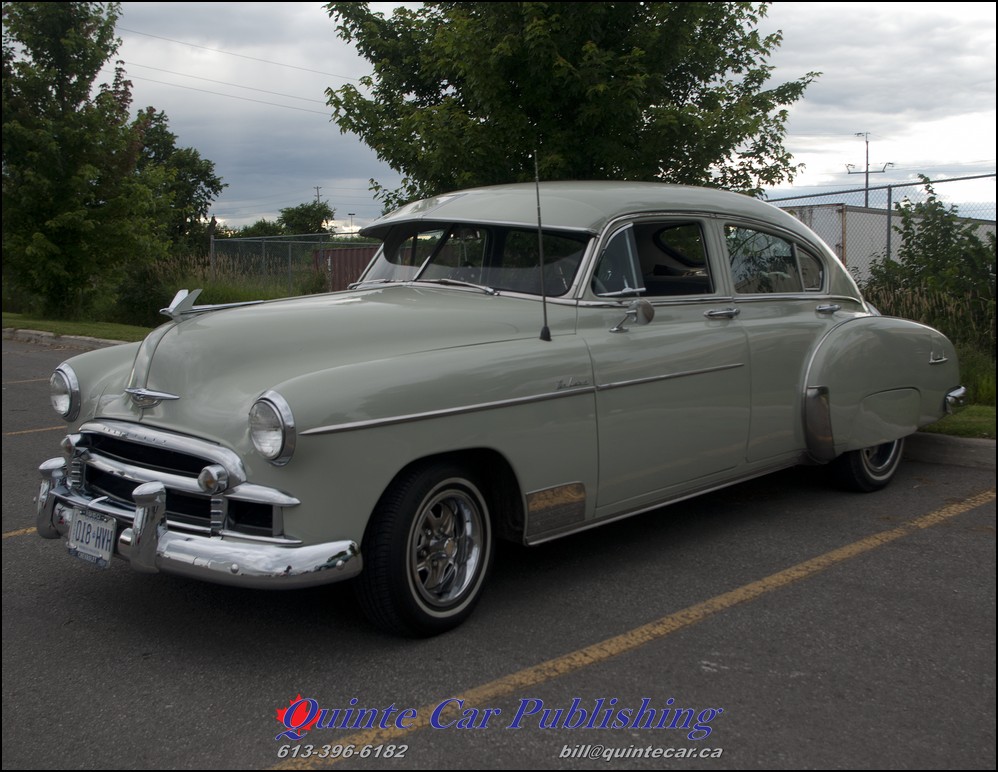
(920, 77)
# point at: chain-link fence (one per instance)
(293, 265)
(860, 224)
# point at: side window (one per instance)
(618, 271)
(763, 263)
(811, 270)
(673, 259)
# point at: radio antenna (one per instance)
(545, 330)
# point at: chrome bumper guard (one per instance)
(956, 400)
(228, 558)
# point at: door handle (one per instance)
(722, 313)
(829, 308)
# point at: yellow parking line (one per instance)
(639, 636)
(28, 380)
(35, 431)
(20, 532)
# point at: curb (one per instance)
(79, 342)
(929, 448)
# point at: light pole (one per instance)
(866, 138)
(850, 167)
(350, 215)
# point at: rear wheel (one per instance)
(869, 469)
(426, 552)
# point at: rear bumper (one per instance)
(956, 400)
(144, 538)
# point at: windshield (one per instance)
(495, 257)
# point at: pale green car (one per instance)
(675, 341)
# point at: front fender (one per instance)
(98, 371)
(532, 402)
(875, 379)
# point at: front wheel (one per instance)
(426, 552)
(869, 469)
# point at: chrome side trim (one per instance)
(551, 536)
(667, 376)
(452, 411)
(182, 305)
(663, 300)
(391, 420)
(811, 295)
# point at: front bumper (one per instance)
(145, 540)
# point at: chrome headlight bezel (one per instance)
(272, 428)
(64, 392)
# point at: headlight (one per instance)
(272, 428)
(64, 391)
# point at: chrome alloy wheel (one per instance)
(868, 469)
(445, 545)
(880, 461)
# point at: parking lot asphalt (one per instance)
(818, 629)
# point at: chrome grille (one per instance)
(114, 458)
(149, 457)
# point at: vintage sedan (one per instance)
(517, 362)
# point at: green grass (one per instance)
(974, 421)
(105, 330)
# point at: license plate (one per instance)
(91, 537)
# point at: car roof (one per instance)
(583, 206)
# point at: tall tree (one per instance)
(192, 184)
(74, 209)
(262, 227)
(463, 92)
(310, 217)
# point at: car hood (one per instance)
(218, 362)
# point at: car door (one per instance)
(672, 395)
(779, 289)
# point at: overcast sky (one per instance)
(244, 84)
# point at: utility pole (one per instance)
(317, 189)
(851, 167)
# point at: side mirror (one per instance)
(640, 312)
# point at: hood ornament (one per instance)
(145, 398)
(182, 303)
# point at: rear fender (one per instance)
(875, 379)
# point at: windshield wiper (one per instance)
(354, 285)
(459, 283)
